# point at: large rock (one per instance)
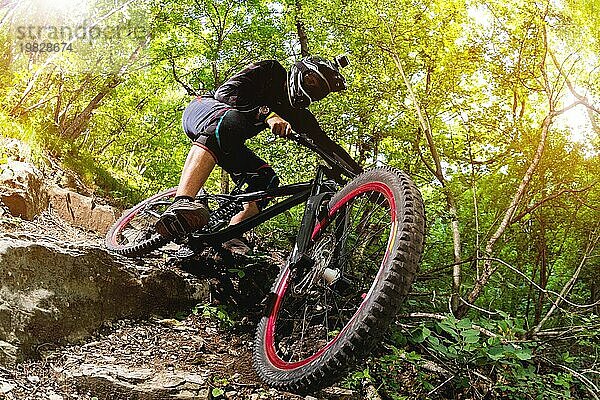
(22, 189)
(123, 382)
(81, 211)
(25, 194)
(54, 293)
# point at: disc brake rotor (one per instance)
(322, 254)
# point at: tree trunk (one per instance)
(489, 268)
(542, 248)
(456, 269)
(304, 51)
(80, 122)
(437, 171)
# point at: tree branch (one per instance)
(488, 269)
(589, 385)
(593, 241)
(439, 174)
(529, 209)
(190, 91)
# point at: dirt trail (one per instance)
(188, 356)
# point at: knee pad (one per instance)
(231, 130)
(264, 179)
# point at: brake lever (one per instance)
(302, 139)
(294, 136)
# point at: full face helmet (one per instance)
(313, 78)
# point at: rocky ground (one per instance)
(202, 353)
(159, 359)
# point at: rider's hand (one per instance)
(279, 126)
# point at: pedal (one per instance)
(184, 252)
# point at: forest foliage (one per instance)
(492, 106)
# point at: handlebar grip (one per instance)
(299, 137)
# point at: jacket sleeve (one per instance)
(305, 122)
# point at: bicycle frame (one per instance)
(315, 193)
(298, 193)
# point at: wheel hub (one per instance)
(322, 255)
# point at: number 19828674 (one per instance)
(45, 47)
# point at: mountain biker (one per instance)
(261, 95)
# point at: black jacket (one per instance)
(264, 83)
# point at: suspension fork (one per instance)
(342, 226)
(313, 211)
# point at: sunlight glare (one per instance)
(55, 10)
(66, 6)
(576, 121)
(481, 15)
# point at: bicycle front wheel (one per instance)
(366, 254)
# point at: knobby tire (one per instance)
(120, 239)
(278, 358)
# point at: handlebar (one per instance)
(299, 138)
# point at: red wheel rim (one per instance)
(281, 289)
(115, 234)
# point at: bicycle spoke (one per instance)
(340, 262)
(361, 229)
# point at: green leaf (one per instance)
(421, 334)
(413, 356)
(471, 336)
(449, 329)
(523, 354)
(240, 272)
(503, 314)
(433, 340)
(496, 353)
(464, 323)
(566, 357)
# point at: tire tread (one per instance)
(369, 327)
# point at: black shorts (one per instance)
(222, 131)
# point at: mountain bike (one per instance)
(355, 257)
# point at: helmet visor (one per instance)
(314, 85)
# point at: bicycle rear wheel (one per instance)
(133, 234)
(366, 254)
